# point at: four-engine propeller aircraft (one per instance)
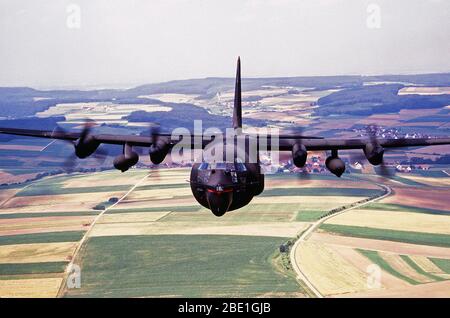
(230, 184)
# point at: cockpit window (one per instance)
(236, 166)
(222, 166)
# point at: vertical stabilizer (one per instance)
(237, 110)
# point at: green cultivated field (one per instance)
(389, 235)
(32, 268)
(72, 236)
(442, 263)
(284, 212)
(309, 216)
(268, 207)
(183, 266)
(163, 186)
(54, 189)
(407, 182)
(377, 259)
(418, 269)
(189, 208)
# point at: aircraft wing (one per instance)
(347, 144)
(285, 142)
(132, 140)
(72, 136)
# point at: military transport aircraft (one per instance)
(230, 184)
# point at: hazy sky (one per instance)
(57, 43)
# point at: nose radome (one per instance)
(219, 202)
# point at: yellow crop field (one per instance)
(105, 179)
(300, 183)
(402, 267)
(424, 90)
(20, 147)
(328, 271)
(159, 193)
(132, 217)
(172, 97)
(387, 281)
(37, 252)
(427, 265)
(309, 202)
(436, 290)
(437, 182)
(274, 229)
(401, 221)
(30, 288)
(155, 178)
(156, 203)
(77, 201)
(382, 245)
(7, 225)
(98, 110)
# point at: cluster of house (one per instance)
(385, 132)
(315, 164)
(410, 168)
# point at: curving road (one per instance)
(305, 236)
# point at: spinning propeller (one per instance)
(374, 153)
(84, 146)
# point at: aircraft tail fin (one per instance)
(237, 110)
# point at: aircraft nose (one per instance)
(219, 201)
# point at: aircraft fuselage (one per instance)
(226, 185)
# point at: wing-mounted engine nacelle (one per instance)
(126, 160)
(335, 164)
(299, 155)
(374, 153)
(158, 150)
(86, 146)
(123, 163)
